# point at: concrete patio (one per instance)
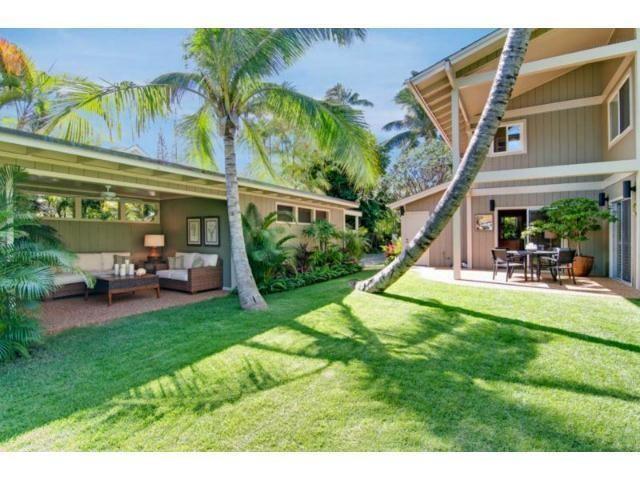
(64, 313)
(599, 286)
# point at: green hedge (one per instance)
(319, 274)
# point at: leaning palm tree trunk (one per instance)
(511, 59)
(248, 293)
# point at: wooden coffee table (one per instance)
(116, 285)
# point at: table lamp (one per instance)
(153, 242)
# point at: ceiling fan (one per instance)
(108, 194)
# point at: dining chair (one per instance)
(561, 260)
(502, 259)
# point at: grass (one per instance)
(427, 366)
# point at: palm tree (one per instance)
(341, 95)
(230, 83)
(413, 128)
(30, 93)
(511, 59)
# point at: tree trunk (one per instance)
(248, 294)
(511, 59)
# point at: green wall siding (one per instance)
(173, 215)
(97, 236)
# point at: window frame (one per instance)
(616, 94)
(294, 215)
(523, 139)
(315, 214)
(78, 207)
(312, 217)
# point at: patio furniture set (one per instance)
(535, 261)
(186, 272)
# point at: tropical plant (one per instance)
(511, 58)
(29, 253)
(354, 242)
(414, 128)
(392, 249)
(302, 257)
(386, 226)
(322, 232)
(330, 257)
(29, 94)
(320, 274)
(570, 219)
(230, 81)
(265, 243)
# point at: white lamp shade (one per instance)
(154, 240)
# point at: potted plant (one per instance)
(572, 219)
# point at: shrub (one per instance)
(392, 249)
(310, 277)
(322, 232)
(265, 244)
(302, 257)
(354, 242)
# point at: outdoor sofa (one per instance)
(192, 272)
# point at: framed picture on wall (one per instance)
(212, 231)
(194, 231)
(484, 222)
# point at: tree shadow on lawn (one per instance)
(444, 385)
(436, 366)
(86, 367)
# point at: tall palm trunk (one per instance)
(511, 59)
(250, 297)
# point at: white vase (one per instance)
(123, 270)
(131, 268)
(116, 269)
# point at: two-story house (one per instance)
(569, 130)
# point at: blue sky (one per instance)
(375, 68)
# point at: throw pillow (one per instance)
(210, 260)
(176, 263)
(197, 262)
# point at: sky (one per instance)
(375, 68)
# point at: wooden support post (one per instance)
(456, 224)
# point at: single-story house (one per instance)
(570, 130)
(74, 186)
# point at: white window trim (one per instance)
(295, 213)
(523, 151)
(615, 93)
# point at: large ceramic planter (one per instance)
(582, 265)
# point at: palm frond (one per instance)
(198, 129)
(108, 103)
(339, 130)
(256, 143)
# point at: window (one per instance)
(322, 215)
(350, 222)
(53, 206)
(285, 213)
(620, 111)
(304, 215)
(509, 139)
(140, 211)
(93, 209)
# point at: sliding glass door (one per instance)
(621, 240)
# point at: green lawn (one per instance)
(426, 366)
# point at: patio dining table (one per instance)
(529, 256)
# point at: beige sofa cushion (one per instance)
(188, 258)
(67, 278)
(182, 275)
(89, 262)
(210, 259)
